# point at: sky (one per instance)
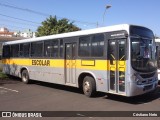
(86, 14)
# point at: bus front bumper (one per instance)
(141, 89)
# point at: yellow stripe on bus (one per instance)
(80, 64)
(88, 62)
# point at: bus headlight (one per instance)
(138, 81)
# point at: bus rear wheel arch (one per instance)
(25, 76)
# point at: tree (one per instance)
(53, 26)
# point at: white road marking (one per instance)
(9, 89)
(80, 114)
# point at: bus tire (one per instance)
(25, 76)
(89, 86)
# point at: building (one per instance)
(5, 32)
(6, 39)
(26, 34)
(5, 36)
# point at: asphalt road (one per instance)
(40, 96)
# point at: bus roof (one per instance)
(71, 34)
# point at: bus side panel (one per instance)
(100, 77)
(6, 69)
(96, 68)
(10, 67)
(47, 74)
(51, 73)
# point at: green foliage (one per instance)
(3, 76)
(53, 26)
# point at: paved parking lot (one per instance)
(39, 96)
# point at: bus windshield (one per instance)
(143, 55)
(143, 52)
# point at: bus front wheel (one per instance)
(25, 76)
(89, 86)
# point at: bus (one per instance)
(158, 57)
(118, 59)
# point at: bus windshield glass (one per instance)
(143, 53)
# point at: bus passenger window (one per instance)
(97, 45)
(84, 46)
(6, 51)
(61, 48)
(20, 53)
(54, 47)
(14, 50)
(37, 49)
(47, 49)
(24, 50)
(51, 48)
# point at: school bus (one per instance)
(119, 59)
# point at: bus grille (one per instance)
(148, 87)
(148, 75)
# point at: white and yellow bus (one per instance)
(117, 59)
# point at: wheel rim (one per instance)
(86, 87)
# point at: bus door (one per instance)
(70, 63)
(116, 56)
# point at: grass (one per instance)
(3, 76)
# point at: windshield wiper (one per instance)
(135, 36)
(140, 37)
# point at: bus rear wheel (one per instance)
(25, 76)
(89, 86)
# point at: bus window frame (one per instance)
(4, 51)
(91, 36)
